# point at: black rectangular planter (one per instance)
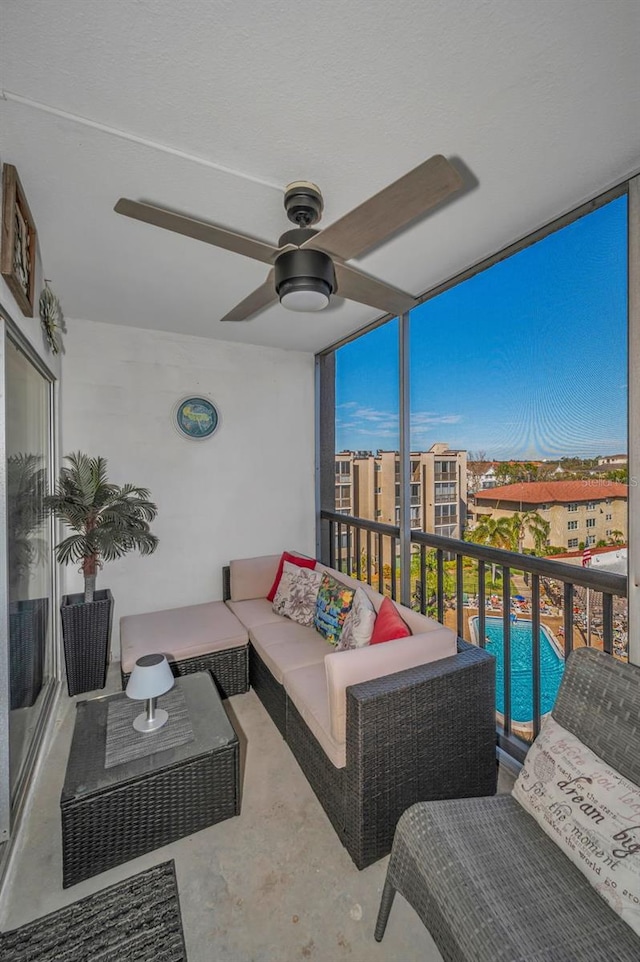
(86, 632)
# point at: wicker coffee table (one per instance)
(111, 815)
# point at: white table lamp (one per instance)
(150, 678)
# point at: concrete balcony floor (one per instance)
(271, 885)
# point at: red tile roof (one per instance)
(554, 492)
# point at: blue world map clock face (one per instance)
(196, 418)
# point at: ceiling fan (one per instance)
(308, 265)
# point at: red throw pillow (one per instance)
(389, 624)
(295, 560)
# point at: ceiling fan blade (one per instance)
(387, 211)
(198, 229)
(262, 297)
(359, 287)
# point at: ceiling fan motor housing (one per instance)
(303, 203)
(304, 271)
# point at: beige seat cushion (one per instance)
(287, 646)
(180, 633)
(307, 689)
(345, 668)
(258, 611)
(273, 632)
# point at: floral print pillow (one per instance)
(296, 595)
(333, 604)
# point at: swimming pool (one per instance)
(551, 667)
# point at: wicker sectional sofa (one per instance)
(374, 729)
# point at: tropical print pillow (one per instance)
(333, 604)
(359, 623)
(296, 594)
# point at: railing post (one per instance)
(440, 584)
(405, 463)
(460, 595)
(506, 636)
(482, 606)
(535, 651)
(607, 622)
(568, 619)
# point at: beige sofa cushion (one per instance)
(286, 646)
(180, 633)
(252, 577)
(257, 611)
(345, 668)
(307, 689)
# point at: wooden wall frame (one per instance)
(19, 239)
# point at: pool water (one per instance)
(551, 667)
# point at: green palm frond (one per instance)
(108, 520)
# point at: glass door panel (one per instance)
(28, 447)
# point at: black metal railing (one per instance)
(462, 584)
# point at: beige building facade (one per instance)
(367, 485)
(580, 513)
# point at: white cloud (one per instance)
(369, 422)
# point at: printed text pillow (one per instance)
(296, 594)
(590, 811)
(332, 607)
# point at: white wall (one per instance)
(247, 490)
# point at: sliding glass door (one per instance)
(28, 588)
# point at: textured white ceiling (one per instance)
(538, 100)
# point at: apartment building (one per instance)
(368, 486)
(578, 512)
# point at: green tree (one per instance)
(516, 472)
(107, 520)
(494, 532)
(532, 523)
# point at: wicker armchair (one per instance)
(483, 876)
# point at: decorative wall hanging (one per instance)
(18, 251)
(195, 417)
(51, 318)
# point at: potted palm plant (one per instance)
(107, 521)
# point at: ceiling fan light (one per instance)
(305, 294)
(304, 279)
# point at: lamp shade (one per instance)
(150, 677)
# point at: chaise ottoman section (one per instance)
(194, 638)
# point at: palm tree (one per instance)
(108, 520)
(535, 525)
(495, 532)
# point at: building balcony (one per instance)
(450, 477)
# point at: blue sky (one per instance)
(526, 360)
